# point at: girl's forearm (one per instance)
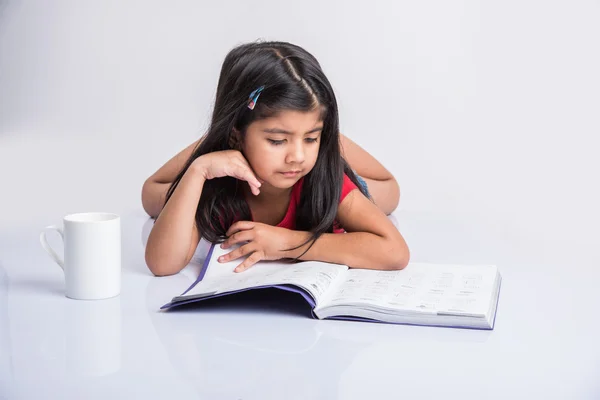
(354, 249)
(153, 197)
(170, 240)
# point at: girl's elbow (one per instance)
(160, 272)
(397, 264)
(398, 259)
(158, 267)
(390, 201)
(395, 194)
(146, 201)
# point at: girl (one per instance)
(269, 175)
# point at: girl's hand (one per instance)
(265, 242)
(227, 163)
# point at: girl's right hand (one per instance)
(227, 163)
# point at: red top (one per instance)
(290, 216)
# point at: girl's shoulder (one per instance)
(347, 187)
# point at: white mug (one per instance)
(92, 254)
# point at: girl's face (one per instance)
(284, 148)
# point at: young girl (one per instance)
(269, 175)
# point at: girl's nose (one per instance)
(296, 154)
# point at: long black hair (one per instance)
(292, 80)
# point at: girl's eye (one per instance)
(278, 142)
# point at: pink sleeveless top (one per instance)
(290, 216)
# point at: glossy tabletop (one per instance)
(545, 344)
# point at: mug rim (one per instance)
(97, 217)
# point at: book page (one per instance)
(315, 277)
(452, 289)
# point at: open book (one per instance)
(463, 296)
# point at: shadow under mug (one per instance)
(92, 254)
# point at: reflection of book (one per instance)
(421, 294)
(207, 358)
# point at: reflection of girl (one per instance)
(269, 175)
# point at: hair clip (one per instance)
(254, 97)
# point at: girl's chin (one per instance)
(280, 186)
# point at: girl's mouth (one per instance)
(290, 174)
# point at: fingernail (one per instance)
(221, 258)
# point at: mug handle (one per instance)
(49, 249)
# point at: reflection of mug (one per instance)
(92, 249)
(93, 337)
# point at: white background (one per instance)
(487, 111)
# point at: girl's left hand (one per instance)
(265, 242)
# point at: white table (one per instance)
(545, 344)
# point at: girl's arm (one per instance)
(371, 241)
(155, 188)
(383, 187)
(174, 237)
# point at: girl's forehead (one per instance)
(292, 120)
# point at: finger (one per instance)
(243, 173)
(250, 261)
(238, 237)
(239, 226)
(237, 253)
(248, 173)
(252, 181)
(255, 191)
